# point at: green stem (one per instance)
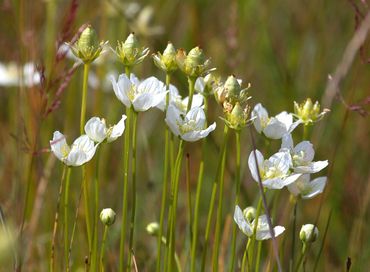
(175, 193)
(305, 132)
(127, 71)
(96, 214)
(101, 266)
(237, 191)
(294, 223)
(213, 198)
(245, 256)
(187, 174)
(303, 253)
(258, 259)
(165, 182)
(258, 213)
(216, 245)
(133, 169)
(126, 161)
(191, 82)
(84, 97)
(85, 189)
(66, 199)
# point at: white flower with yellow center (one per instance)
(273, 127)
(142, 95)
(98, 131)
(302, 156)
(262, 229)
(191, 126)
(274, 172)
(306, 188)
(81, 151)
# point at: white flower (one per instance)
(274, 172)
(307, 189)
(273, 127)
(179, 102)
(81, 151)
(308, 233)
(190, 127)
(262, 230)
(302, 156)
(97, 130)
(141, 95)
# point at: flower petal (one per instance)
(241, 222)
(275, 129)
(82, 151)
(312, 167)
(96, 129)
(317, 186)
(121, 88)
(173, 119)
(59, 146)
(117, 130)
(252, 164)
(260, 116)
(306, 148)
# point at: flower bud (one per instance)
(194, 64)
(232, 88)
(308, 233)
(167, 61)
(308, 112)
(153, 228)
(129, 52)
(249, 213)
(238, 118)
(87, 47)
(107, 216)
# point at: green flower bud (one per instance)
(232, 88)
(107, 216)
(308, 233)
(87, 48)
(153, 228)
(194, 64)
(239, 116)
(167, 61)
(129, 52)
(309, 112)
(249, 213)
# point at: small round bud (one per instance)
(153, 228)
(88, 39)
(129, 52)
(308, 233)
(194, 64)
(249, 213)
(107, 216)
(167, 61)
(195, 57)
(232, 88)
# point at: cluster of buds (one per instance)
(166, 61)
(194, 64)
(234, 101)
(308, 233)
(129, 52)
(308, 112)
(87, 48)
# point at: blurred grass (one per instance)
(285, 48)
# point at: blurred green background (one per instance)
(286, 49)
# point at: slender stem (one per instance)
(303, 253)
(187, 174)
(175, 193)
(258, 259)
(165, 181)
(127, 71)
(85, 189)
(237, 191)
(102, 250)
(66, 199)
(294, 224)
(126, 161)
(84, 97)
(56, 221)
(213, 198)
(191, 82)
(133, 169)
(245, 256)
(96, 214)
(305, 132)
(253, 242)
(216, 245)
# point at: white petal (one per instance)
(275, 129)
(282, 161)
(261, 116)
(196, 102)
(121, 88)
(291, 178)
(252, 164)
(134, 80)
(199, 85)
(307, 148)
(287, 142)
(59, 146)
(317, 187)
(294, 125)
(285, 118)
(274, 184)
(312, 167)
(150, 85)
(96, 129)
(196, 114)
(117, 130)
(173, 119)
(241, 222)
(82, 151)
(196, 135)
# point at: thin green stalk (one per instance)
(165, 182)
(126, 161)
(303, 253)
(96, 214)
(66, 199)
(294, 225)
(133, 170)
(84, 97)
(85, 189)
(212, 201)
(56, 221)
(323, 241)
(188, 191)
(245, 257)
(175, 194)
(216, 244)
(237, 191)
(101, 266)
(258, 213)
(191, 82)
(258, 259)
(305, 132)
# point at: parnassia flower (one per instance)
(273, 127)
(302, 156)
(247, 226)
(81, 151)
(306, 188)
(98, 131)
(142, 95)
(274, 172)
(190, 127)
